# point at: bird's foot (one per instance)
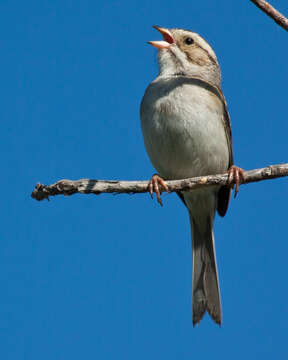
(153, 186)
(235, 176)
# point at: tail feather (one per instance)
(205, 288)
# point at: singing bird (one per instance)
(187, 133)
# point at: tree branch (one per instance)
(87, 186)
(272, 12)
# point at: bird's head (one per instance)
(183, 52)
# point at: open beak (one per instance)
(167, 38)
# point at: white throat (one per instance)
(173, 62)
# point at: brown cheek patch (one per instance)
(198, 57)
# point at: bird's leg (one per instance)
(235, 176)
(153, 186)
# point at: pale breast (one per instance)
(182, 124)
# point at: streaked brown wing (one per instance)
(224, 193)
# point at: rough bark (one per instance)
(279, 18)
(89, 186)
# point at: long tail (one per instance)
(205, 288)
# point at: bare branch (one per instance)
(87, 186)
(272, 12)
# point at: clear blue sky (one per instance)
(109, 277)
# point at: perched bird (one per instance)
(187, 133)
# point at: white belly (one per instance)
(183, 129)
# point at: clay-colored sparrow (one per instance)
(187, 133)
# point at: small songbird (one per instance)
(187, 133)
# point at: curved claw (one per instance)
(235, 176)
(153, 186)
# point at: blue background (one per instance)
(109, 277)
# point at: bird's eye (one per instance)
(189, 41)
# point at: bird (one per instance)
(187, 133)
